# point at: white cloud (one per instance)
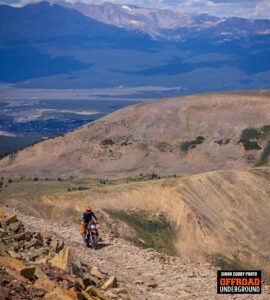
(262, 9)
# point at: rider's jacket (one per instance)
(87, 216)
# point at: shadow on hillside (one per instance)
(102, 245)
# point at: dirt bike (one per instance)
(91, 235)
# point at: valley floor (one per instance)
(144, 273)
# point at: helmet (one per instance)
(88, 208)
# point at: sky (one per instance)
(240, 8)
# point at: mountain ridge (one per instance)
(184, 135)
(52, 46)
(159, 22)
(162, 23)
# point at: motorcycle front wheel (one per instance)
(94, 242)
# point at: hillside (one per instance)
(184, 135)
(118, 270)
(221, 217)
(82, 273)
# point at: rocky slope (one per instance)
(221, 215)
(184, 135)
(216, 214)
(34, 265)
(141, 274)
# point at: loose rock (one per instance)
(28, 273)
(110, 283)
(11, 220)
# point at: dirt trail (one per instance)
(144, 273)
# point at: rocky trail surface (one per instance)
(141, 273)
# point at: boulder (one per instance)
(15, 227)
(110, 283)
(40, 252)
(28, 256)
(3, 232)
(17, 275)
(46, 241)
(28, 273)
(57, 245)
(54, 244)
(33, 243)
(96, 272)
(45, 234)
(19, 237)
(66, 261)
(3, 249)
(62, 260)
(12, 219)
(120, 291)
(3, 223)
(87, 296)
(40, 274)
(88, 281)
(28, 236)
(94, 280)
(15, 247)
(74, 294)
(2, 214)
(38, 236)
(44, 284)
(79, 283)
(60, 245)
(14, 254)
(11, 262)
(112, 295)
(62, 294)
(94, 291)
(40, 261)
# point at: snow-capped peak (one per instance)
(126, 7)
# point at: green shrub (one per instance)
(185, 146)
(222, 141)
(250, 134)
(152, 231)
(226, 263)
(163, 147)
(107, 142)
(265, 155)
(251, 145)
(265, 130)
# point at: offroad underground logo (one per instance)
(239, 282)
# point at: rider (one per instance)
(87, 217)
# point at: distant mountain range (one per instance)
(76, 45)
(165, 23)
